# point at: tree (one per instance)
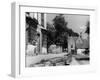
(61, 27)
(58, 34)
(50, 34)
(72, 33)
(60, 23)
(88, 27)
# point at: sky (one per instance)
(75, 22)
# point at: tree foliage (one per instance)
(60, 23)
(58, 34)
(88, 27)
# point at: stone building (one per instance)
(35, 30)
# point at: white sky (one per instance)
(74, 21)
